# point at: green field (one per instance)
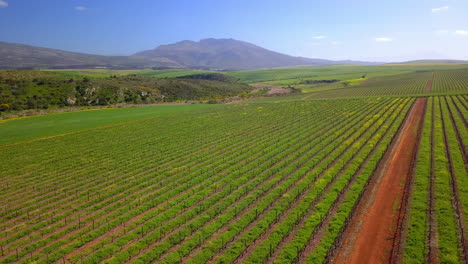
(339, 70)
(263, 180)
(14, 131)
(440, 183)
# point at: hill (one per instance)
(19, 56)
(431, 62)
(229, 54)
(27, 89)
(209, 54)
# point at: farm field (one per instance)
(303, 178)
(414, 83)
(143, 72)
(436, 224)
(22, 129)
(231, 132)
(291, 75)
(276, 177)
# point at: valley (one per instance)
(307, 177)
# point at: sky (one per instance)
(371, 30)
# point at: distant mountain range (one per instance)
(229, 54)
(212, 54)
(19, 56)
(430, 61)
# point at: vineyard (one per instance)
(450, 81)
(415, 83)
(276, 180)
(194, 198)
(436, 229)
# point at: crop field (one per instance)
(395, 85)
(145, 73)
(436, 229)
(450, 81)
(194, 198)
(376, 170)
(22, 129)
(415, 83)
(292, 74)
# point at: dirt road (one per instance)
(429, 84)
(374, 231)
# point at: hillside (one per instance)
(432, 62)
(212, 54)
(229, 54)
(19, 56)
(20, 90)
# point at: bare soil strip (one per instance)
(372, 231)
(429, 83)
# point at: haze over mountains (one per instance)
(19, 56)
(229, 54)
(214, 54)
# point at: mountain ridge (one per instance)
(231, 54)
(212, 54)
(430, 61)
(23, 56)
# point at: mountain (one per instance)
(19, 56)
(213, 54)
(229, 54)
(432, 61)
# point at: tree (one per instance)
(4, 107)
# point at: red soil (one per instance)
(272, 90)
(371, 234)
(429, 84)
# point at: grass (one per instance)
(100, 73)
(169, 73)
(415, 248)
(336, 70)
(29, 128)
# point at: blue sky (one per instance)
(334, 29)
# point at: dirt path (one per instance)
(371, 234)
(272, 89)
(429, 84)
